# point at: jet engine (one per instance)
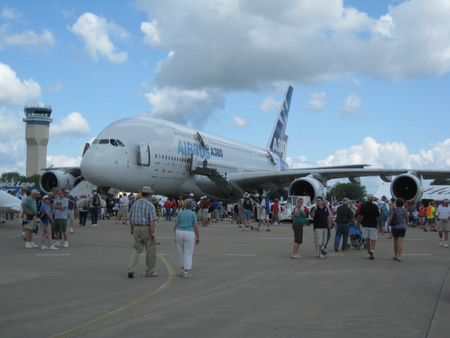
(57, 178)
(307, 186)
(407, 186)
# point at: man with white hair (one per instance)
(443, 224)
(142, 227)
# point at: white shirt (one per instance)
(443, 212)
(124, 202)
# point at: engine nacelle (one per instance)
(56, 178)
(407, 186)
(307, 187)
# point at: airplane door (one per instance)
(193, 162)
(143, 157)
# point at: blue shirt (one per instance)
(61, 214)
(186, 220)
(44, 207)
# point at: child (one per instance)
(415, 214)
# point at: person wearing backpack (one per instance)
(83, 209)
(247, 211)
(93, 204)
(384, 212)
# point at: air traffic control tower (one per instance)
(37, 120)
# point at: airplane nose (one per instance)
(96, 167)
(106, 165)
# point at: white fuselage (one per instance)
(143, 151)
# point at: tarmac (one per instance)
(244, 284)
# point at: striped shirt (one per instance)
(142, 212)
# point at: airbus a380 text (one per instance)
(168, 157)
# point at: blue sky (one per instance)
(370, 78)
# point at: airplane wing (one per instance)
(407, 183)
(8, 202)
(287, 176)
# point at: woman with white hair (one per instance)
(186, 236)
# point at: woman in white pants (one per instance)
(186, 236)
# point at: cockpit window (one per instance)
(113, 142)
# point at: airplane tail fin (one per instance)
(278, 139)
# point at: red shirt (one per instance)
(276, 208)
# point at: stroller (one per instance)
(356, 239)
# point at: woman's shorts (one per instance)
(400, 232)
(47, 226)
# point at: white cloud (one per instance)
(11, 125)
(57, 88)
(29, 39)
(269, 104)
(74, 125)
(9, 13)
(388, 155)
(12, 141)
(384, 26)
(351, 106)
(96, 32)
(316, 101)
(63, 161)
(16, 92)
(240, 122)
(235, 44)
(183, 106)
(152, 36)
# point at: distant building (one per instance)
(37, 120)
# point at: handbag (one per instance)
(393, 220)
(42, 215)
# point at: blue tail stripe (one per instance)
(278, 140)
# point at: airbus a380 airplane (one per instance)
(168, 157)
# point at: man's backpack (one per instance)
(96, 200)
(247, 203)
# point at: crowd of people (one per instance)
(376, 219)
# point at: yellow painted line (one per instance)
(166, 285)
